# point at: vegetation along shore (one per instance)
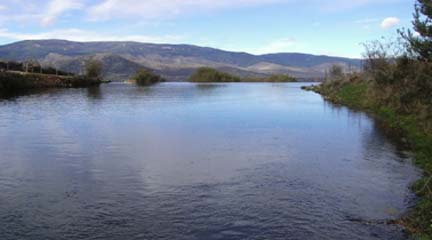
(395, 86)
(20, 76)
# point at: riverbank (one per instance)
(412, 128)
(11, 81)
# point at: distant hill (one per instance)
(173, 62)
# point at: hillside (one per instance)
(173, 62)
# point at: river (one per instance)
(196, 161)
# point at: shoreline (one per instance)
(11, 81)
(352, 95)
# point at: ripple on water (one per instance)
(185, 161)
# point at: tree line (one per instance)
(92, 68)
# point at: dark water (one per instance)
(185, 161)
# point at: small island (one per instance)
(15, 76)
(206, 74)
(144, 77)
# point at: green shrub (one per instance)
(144, 77)
(206, 74)
(280, 78)
(271, 78)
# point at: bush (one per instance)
(280, 78)
(144, 77)
(271, 78)
(206, 74)
(380, 58)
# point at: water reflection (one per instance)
(380, 131)
(378, 144)
(183, 161)
(94, 93)
(12, 95)
(209, 86)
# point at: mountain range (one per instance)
(173, 62)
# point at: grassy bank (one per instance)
(15, 81)
(413, 125)
(206, 74)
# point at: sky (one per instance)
(325, 27)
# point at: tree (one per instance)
(420, 41)
(93, 69)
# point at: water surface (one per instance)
(188, 161)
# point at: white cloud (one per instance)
(157, 9)
(47, 12)
(152, 9)
(87, 36)
(339, 5)
(390, 22)
(30, 12)
(58, 7)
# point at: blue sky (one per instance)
(331, 27)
